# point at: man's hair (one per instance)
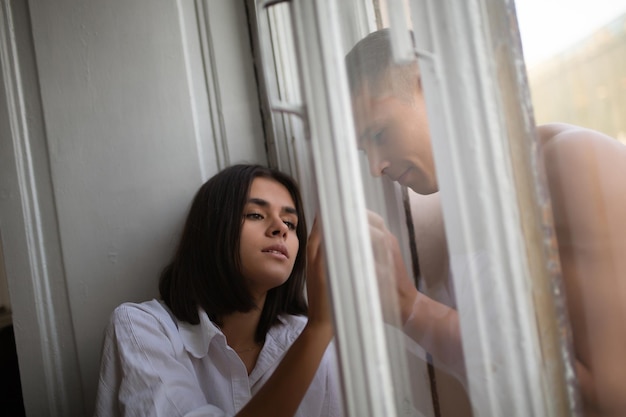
(206, 268)
(370, 64)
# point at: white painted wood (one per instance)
(30, 236)
(232, 81)
(365, 364)
(113, 113)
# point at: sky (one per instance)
(548, 27)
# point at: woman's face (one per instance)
(269, 243)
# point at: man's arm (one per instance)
(433, 325)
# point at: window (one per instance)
(471, 208)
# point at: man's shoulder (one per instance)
(566, 136)
(585, 171)
(573, 150)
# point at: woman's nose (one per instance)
(278, 228)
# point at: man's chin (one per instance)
(421, 188)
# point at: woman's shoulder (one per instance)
(288, 329)
(153, 306)
(293, 321)
(131, 313)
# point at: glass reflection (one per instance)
(392, 129)
(585, 171)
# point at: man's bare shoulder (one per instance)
(572, 151)
(557, 136)
(586, 174)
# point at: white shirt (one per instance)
(155, 365)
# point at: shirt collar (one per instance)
(197, 337)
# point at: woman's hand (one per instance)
(282, 393)
(317, 291)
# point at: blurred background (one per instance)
(575, 52)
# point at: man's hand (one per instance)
(396, 288)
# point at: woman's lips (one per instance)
(280, 250)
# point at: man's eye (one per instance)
(254, 216)
(290, 225)
(379, 137)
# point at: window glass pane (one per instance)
(475, 299)
(580, 171)
(577, 76)
(407, 227)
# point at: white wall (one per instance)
(113, 113)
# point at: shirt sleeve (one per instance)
(141, 374)
(333, 403)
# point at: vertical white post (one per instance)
(359, 326)
(28, 230)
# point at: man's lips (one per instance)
(278, 249)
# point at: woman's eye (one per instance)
(254, 216)
(290, 225)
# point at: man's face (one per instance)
(394, 134)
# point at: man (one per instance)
(586, 178)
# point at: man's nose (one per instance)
(377, 163)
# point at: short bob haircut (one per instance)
(206, 268)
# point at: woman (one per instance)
(229, 337)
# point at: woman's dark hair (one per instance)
(206, 269)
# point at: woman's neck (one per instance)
(240, 328)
